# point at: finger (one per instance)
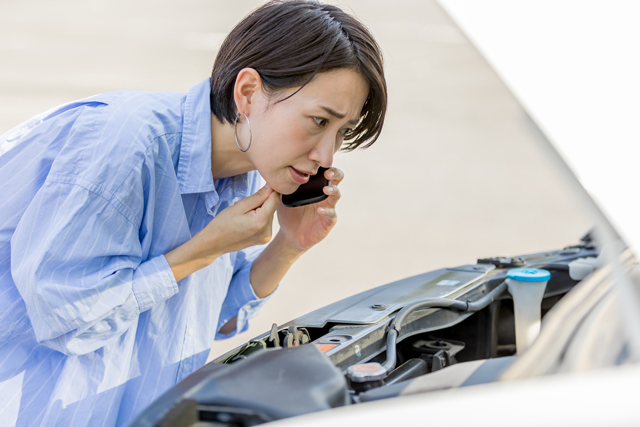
(270, 206)
(334, 194)
(329, 213)
(255, 200)
(334, 175)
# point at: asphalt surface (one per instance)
(456, 175)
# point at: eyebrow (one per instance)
(339, 115)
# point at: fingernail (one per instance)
(321, 210)
(267, 185)
(331, 174)
(329, 189)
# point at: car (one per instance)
(446, 345)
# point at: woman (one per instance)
(131, 223)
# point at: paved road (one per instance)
(456, 175)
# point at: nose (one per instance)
(322, 153)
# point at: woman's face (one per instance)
(293, 138)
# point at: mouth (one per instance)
(299, 176)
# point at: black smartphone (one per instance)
(309, 192)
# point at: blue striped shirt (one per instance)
(93, 326)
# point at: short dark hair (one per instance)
(288, 43)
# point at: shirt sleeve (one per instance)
(241, 300)
(77, 263)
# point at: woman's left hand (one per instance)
(306, 226)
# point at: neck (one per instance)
(226, 159)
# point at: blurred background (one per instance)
(456, 175)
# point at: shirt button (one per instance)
(190, 331)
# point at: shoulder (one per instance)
(117, 135)
(138, 113)
(133, 124)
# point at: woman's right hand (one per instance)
(247, 223)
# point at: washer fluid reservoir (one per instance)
(526, 286)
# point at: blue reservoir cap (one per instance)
(528, 274)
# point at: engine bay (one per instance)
(328, 358)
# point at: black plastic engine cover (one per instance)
(268, 385)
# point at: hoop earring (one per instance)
(235, 132)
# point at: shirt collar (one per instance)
(194, 164)
(227, 190)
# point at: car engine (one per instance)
(446, 328)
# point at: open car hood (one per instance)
(573, 66)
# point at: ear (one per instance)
(248, 85)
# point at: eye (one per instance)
(344, 131)
(320, 121)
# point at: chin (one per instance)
(287, 189)
(281, 182)
(283, 187)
